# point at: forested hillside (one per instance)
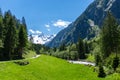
(13, 36)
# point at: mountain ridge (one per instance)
(40, 38)
(94, 15)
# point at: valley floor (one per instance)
(49, 68)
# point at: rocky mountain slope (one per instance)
(87, 25)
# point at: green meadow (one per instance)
(49, 68)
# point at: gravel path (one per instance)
(82, 62)
(36, 56)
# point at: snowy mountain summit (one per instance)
(40, 38)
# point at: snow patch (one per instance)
(100, 4)
(109, 5)
(91, 22)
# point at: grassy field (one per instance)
(49, 68)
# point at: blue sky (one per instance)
(47, 16)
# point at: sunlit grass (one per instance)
(49, 68)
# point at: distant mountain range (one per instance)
(41, 38)
(87, 25)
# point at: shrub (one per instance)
(73, 55)
(97, 59)
(115, 63)
(22, 63)
(101, 72)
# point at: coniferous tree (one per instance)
(81, 49)
(62, 47)
(86, 47)
(110, 36)
(24, 24)
(115, 63)
(6, 20)
(22, 40)
(1, 25)
(10, 40)
(97, 59)
(101, 72)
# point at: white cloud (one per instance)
(61, 23)
(31, 31)
(35, 32)
(38, 32)
(49, 30)
(47, 26)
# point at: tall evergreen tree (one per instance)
(24, 24)
(110, 36)
(6, 20)
(1, 25)
(101, 73)
(62, 47)
(81, 49)
(115, 63)
(86, 47)
(10, 40)
(22, 40)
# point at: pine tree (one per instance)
(6, 20)
(62, 47)
(110, 36)
(10, 40)
(1, 25)
(81, 49)
(97, 59)
(24, 24)
(101, 72)
(86, 47)
(22, 40)
(115, 63)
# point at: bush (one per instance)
(101, 72)
(61, 54)
(97, 59)
(115, 63)
(73, 55)
(22, 63)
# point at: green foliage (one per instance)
(22, 37)
(61, 54)
(29, 54)
(1, 27)
(97, 59)
(13, 36)
(22, 40)
(37, 48)
(110, 36)
(90, 58)
(73, 55)
(73, 47)
(62, 47)
(101, 72)
(115, 63)
(10, 40)
(81, 49)
(22, 63)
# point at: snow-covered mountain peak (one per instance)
(40, 38)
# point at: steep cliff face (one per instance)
(86, 25)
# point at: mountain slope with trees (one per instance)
(87, 25)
